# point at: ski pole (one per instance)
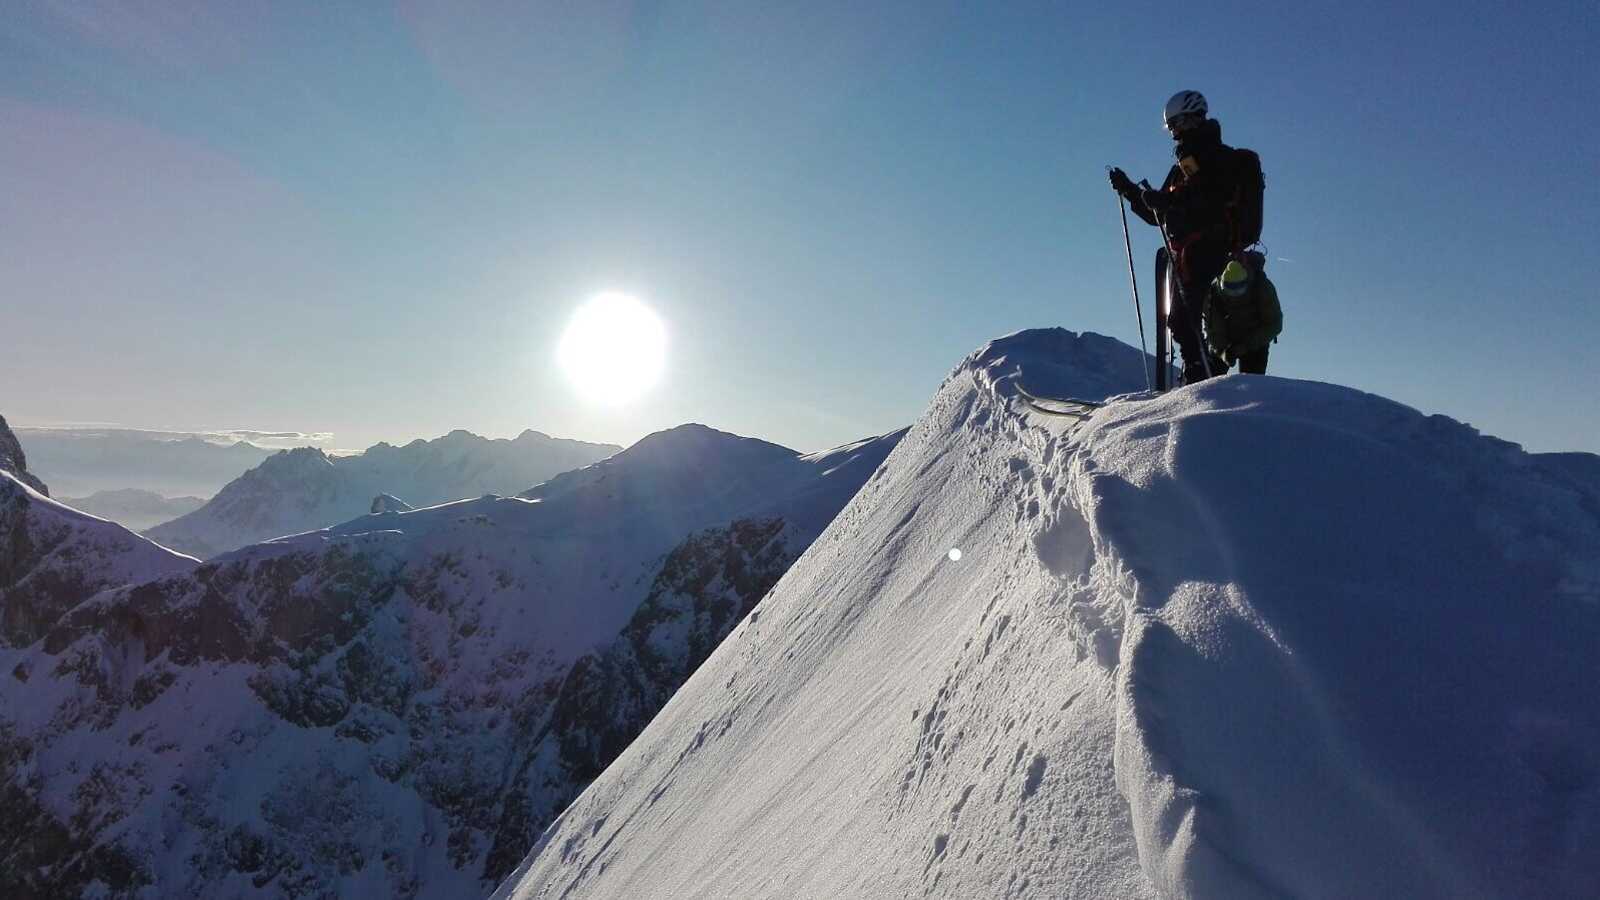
(1134, 280)
(1183, 298)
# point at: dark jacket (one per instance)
(1236, 326)
(1193, 200)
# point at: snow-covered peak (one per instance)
(389, 503)
(1062, 363)
(681, 446)
(1253, 638)
(693, 474)
(299, 458)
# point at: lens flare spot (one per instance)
(614, 349)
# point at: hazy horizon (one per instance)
(327, 441)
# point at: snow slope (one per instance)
(303, 489)
(53, 557)
(391, 707)
(1253, 638)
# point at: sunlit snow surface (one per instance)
(1255, 638)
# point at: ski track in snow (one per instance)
(1257, 638)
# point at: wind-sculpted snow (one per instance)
(303, 489)
(1254, 638)
(393, 707)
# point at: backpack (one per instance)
(1243, 209)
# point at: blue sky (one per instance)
(374, 220)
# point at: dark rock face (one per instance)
(34, 841)
(14, 461)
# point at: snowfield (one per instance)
(1253, 638)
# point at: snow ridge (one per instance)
(1252, 638)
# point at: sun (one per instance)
(613, 350)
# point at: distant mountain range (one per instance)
(81, 461)
(305, 488)
(396, 706)
(134, 508)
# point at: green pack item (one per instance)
(1236, 325)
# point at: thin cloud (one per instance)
(272, 440)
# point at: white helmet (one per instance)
(1184, 103)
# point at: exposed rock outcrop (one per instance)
(13, 460)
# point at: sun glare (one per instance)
(614, 349)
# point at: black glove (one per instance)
(1154, 200)
(1121, 183)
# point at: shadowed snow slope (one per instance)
(1253, 638)
(52, 557)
